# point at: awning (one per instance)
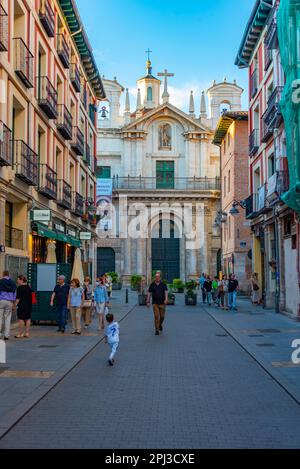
(62, 237)
(74, 242)
(42, 230)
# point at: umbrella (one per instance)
(77, 271)
(51, 253)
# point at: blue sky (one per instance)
(196, 39)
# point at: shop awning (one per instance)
(62, 237)
(74, 242)
(42, 230)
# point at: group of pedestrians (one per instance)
(222, 291)
(80, 300)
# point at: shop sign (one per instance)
(85, 236)
(41, 215)
(60, 228)
(71, 233)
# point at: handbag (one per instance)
(33, 298)
(87, 304)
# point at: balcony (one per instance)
(251, 206)
(75, 77)
(87, 156)
(254, 142)
(151, 183)
(77, 143)
(83, 94)
(261, 204)
(272, 118)
(48, 182)
(47, 97)
(14, 238)
(47, 17)
(271, 39)
(278, 184)
(23, 62)
(268, 57)
(64, 194)
(63, 50)
(3, 30)
(77, 204)
(26, 161)
(5, 146)
(64, 122)
(253, 83)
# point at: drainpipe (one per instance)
(277, 294)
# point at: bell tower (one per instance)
(222, 96)
(149, 87)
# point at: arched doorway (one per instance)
(106, 261)
(166, 250)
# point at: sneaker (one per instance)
(63, 331)
(156, 332)
(73, 332)
(78, 333)
(110, 362)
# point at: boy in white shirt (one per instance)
(112, 337)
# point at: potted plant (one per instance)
(142, 293)
(190, 293)
(171, 296)
(135, 281)
(116, 283)
(178, 285)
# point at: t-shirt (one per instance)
(112, 332)
(158, 292)
(208, 285)
(232, 285)
(215, 285)
(76, 297)
(61, 294)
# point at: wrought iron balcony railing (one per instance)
(3, 29)
(63, 50)
(278, 184)
(77, 204)
(271, 39)
(254, 142)
(64, 194)
(75, 77)
(23, 62)
(5, 146)
(47, 97)
(48, 182)
(77, 141)
(14, 238)
(250, 203)
(64, 122)
(152, 183)
(268, 57)
(272, 117)
(253, 83)
(26, 162)
(47, 17)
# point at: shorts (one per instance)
(100, 308)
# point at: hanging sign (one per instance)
(85, 236)
(41, 215)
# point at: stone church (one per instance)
(165, 175)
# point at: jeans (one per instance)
(232, 299)
(62, 313)
(209, 297)
(203, 294)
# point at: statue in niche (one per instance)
(165, 139)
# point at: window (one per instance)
(103, 172)
(271, 165)
(224, 185)
(229, 177)
(229, 228)
(149, 94)
(165, 174)
(225, 106)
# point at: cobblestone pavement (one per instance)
(194, 386)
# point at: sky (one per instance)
(197, 40)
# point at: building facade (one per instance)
(274, 220)
(231, 136)
(160, 157)
(48, 107)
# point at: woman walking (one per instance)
(101, 299)
(75, 300)
(87, 302)
(24, 307)
(225, 293)
(255, 295)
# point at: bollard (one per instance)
(126, 295)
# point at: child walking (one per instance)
(112, 337)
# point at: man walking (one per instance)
(61, 294)
(159, 292)
(233, 285)
(8, 290)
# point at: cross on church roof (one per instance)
(166, 74)
(148, 52)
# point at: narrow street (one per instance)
(194, 386)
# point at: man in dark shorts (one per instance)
(159, 292)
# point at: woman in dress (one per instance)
(24, 307)
(255, 295)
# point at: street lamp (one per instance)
(220, 218)
(237, 203)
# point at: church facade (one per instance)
(165, 175)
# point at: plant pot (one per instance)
(191, 299)
(117, 286)
(142, 300)
(171, 300)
